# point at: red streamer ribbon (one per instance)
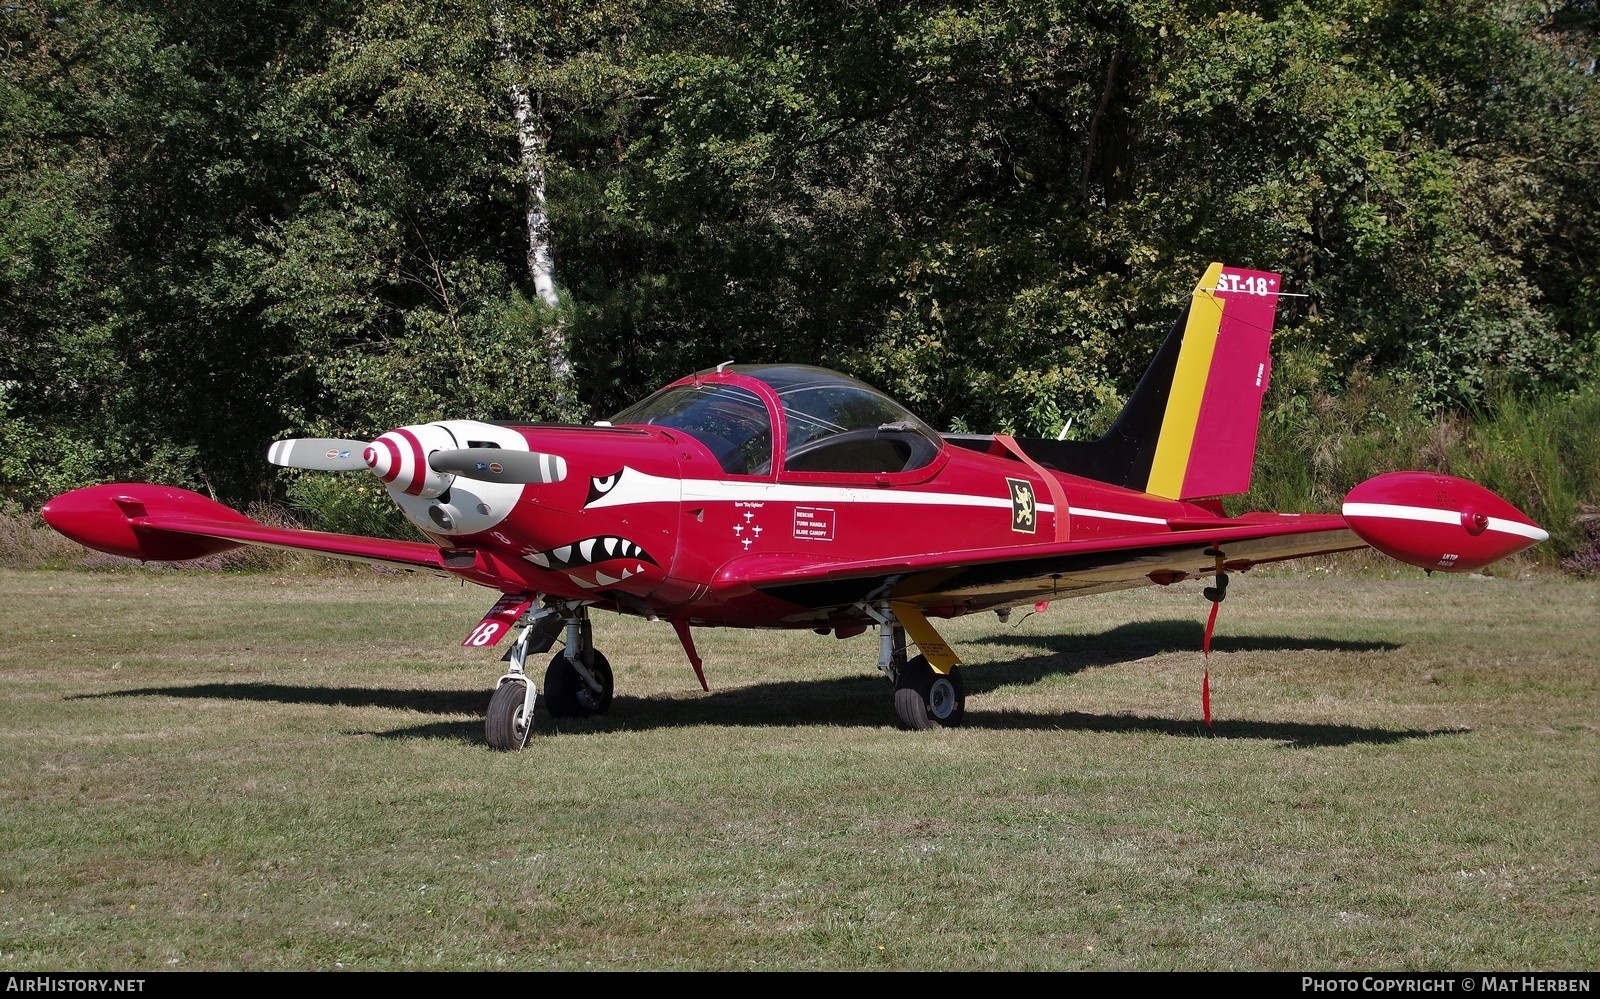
(1205, 645)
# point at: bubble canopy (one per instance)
(833, 423)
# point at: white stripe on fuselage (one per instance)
(1429, 515)
(634, 487)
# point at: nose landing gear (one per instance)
(577, 683)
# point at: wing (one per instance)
(957, 582)
(167, 524)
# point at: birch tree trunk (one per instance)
(541, 259)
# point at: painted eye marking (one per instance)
(599, 485)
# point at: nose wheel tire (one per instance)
(566, 695)
(923, 698)
(506, 724)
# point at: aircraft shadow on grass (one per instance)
(1139, 640)
(854, 701)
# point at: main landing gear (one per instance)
(577, 682)
(923, 696)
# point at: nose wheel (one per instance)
(577, 683)
(510, 716)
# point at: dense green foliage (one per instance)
(220, 225)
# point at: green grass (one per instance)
(224, 771)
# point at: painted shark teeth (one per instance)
(590, 551)
(603, 580)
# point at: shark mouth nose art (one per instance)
(590, 551)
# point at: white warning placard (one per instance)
(813, 523)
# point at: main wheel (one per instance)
(923, 698)
(565, 693)
(506, 724)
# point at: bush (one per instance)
(348, 504)
(1542, 453)
(27, 542)
(1316, 443)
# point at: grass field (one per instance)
(221, 771)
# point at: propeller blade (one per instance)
(493, 464)
(322, 454)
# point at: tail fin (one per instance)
(1188, 431)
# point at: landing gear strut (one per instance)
(577, 683)
(923, 696)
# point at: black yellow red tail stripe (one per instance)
(1207, 442)
(1188, 431)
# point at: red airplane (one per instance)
(790, 496)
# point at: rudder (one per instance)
(1207, 441)
(1188, 431)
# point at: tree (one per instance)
(131, 190)
(224, 226)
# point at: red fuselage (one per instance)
(649, 518)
